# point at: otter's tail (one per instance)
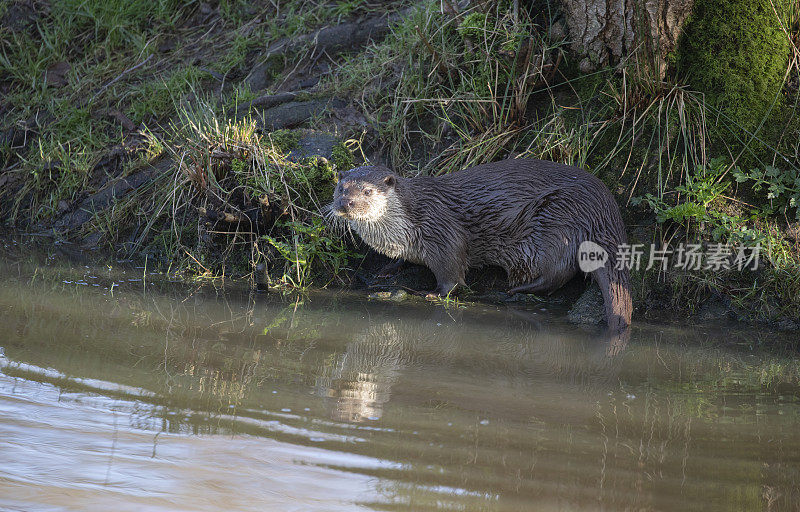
(616, 288)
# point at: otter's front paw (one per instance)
(441, 291)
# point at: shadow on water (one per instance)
(331, 402)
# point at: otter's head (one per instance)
(364, 193)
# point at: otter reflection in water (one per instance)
(387, 353)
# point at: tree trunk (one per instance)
(606, 32)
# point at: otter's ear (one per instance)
(389, 180)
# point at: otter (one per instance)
(526, 216)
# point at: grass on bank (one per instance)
(85, 76)
(236, 201)
(273, 199)
(442, 92)
(170, 70)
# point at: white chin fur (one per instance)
(386, 229)
(369, 217)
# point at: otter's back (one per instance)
(511, 198)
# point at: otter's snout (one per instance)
(343, 205)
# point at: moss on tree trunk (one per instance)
(736, 52)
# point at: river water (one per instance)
(121, 390)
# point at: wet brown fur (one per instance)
(526, 216)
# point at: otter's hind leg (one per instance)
(546, 272)
(544, 283)
(538, 285)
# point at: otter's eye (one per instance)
(367, 191)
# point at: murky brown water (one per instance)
(118, 393)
